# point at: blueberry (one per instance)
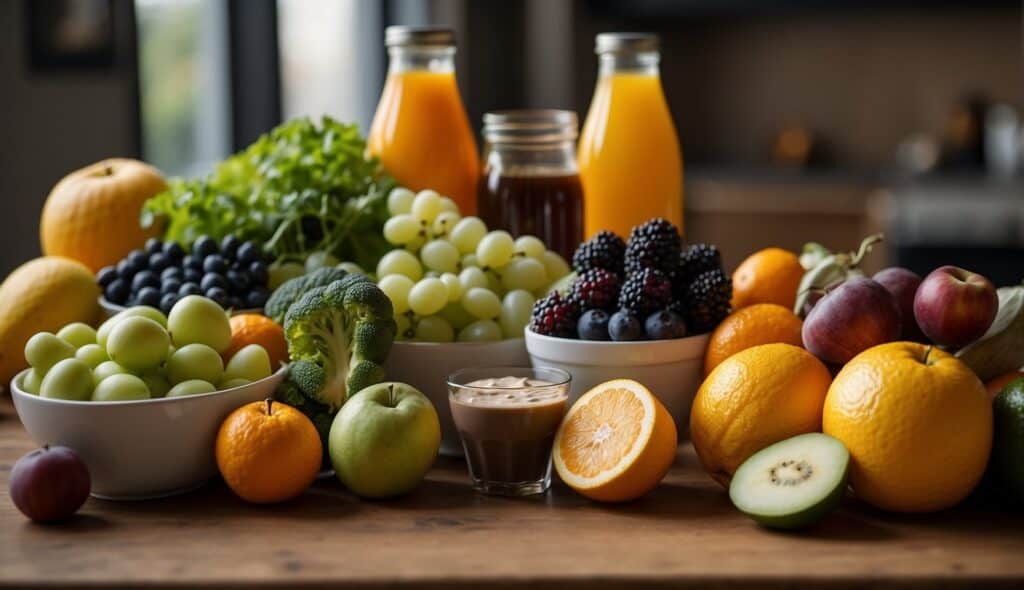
(192, 275)
(167, 301)
(236, 302)
(257, 297)
(171, 272)
(170, 286)
(665, 325)
(143, 279)
(215, 263)
(218, 295)
(204, 246)
(117, 291)
(139, 259)
(211, 280)
(158, 262)
(259, 273)
(248, 253)
(127, 268)
(192, 261)
(229, 246)
(173, 250)
(106, 275)
(148, 296)
(593, 325)
(190, 288)
(238, 282)
(153, 246)
(623, 326)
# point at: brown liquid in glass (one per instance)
(549, 207)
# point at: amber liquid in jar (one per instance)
(530, 183)
(549, 207)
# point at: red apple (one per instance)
(49, 484)
(849, 319)
(903, 284)
(954, 306)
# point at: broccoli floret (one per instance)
(339, 337)
(291, 290)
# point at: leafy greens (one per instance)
(298, 189)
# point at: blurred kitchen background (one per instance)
(800, 119)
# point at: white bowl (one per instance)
(139, 449)
(671, 369)
(426, 366)
(112, 309)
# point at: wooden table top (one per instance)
(685, 534)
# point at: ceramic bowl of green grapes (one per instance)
(139, 449)
(426, 366)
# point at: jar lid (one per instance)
(400, 35)
(626, 42)
(530, 126)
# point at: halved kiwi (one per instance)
(792, 483)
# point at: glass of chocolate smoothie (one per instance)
(507, 418)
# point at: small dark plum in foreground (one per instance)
(903, 284)
(49, 484)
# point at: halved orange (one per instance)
(616, 442)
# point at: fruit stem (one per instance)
(927, 352)
(270, 403)
(108, 170)
(865, 247)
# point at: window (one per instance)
(184, 83)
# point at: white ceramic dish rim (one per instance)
(16, 389)
(608, 344)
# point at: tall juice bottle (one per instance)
(629, 157)
(420, 131)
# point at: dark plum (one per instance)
(853, 317)
(49, 484)
(903, 284)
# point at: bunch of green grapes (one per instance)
(133, 356)
(450, 278)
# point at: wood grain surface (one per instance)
(683, 535)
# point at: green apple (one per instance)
(384, 440)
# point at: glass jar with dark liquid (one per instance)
(530, 182)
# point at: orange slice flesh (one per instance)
(616, 442)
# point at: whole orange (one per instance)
(761, 323)
(754, 398)
(255, 328)
(918, 425)
(771, 275)
(92, 214)
(268, 452)
(997, 384)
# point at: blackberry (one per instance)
(645, 292)
(655, 244)
(695, 259)
(707, 301)
(604, 250)
(555, 315)
(596, 288)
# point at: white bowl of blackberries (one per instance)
(641, 308)
(232, 272)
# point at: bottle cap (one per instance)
(397, 36)
(626, 42)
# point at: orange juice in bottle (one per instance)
(420, 131)
(629, 157)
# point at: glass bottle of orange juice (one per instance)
(420, 131)
(629, 157)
